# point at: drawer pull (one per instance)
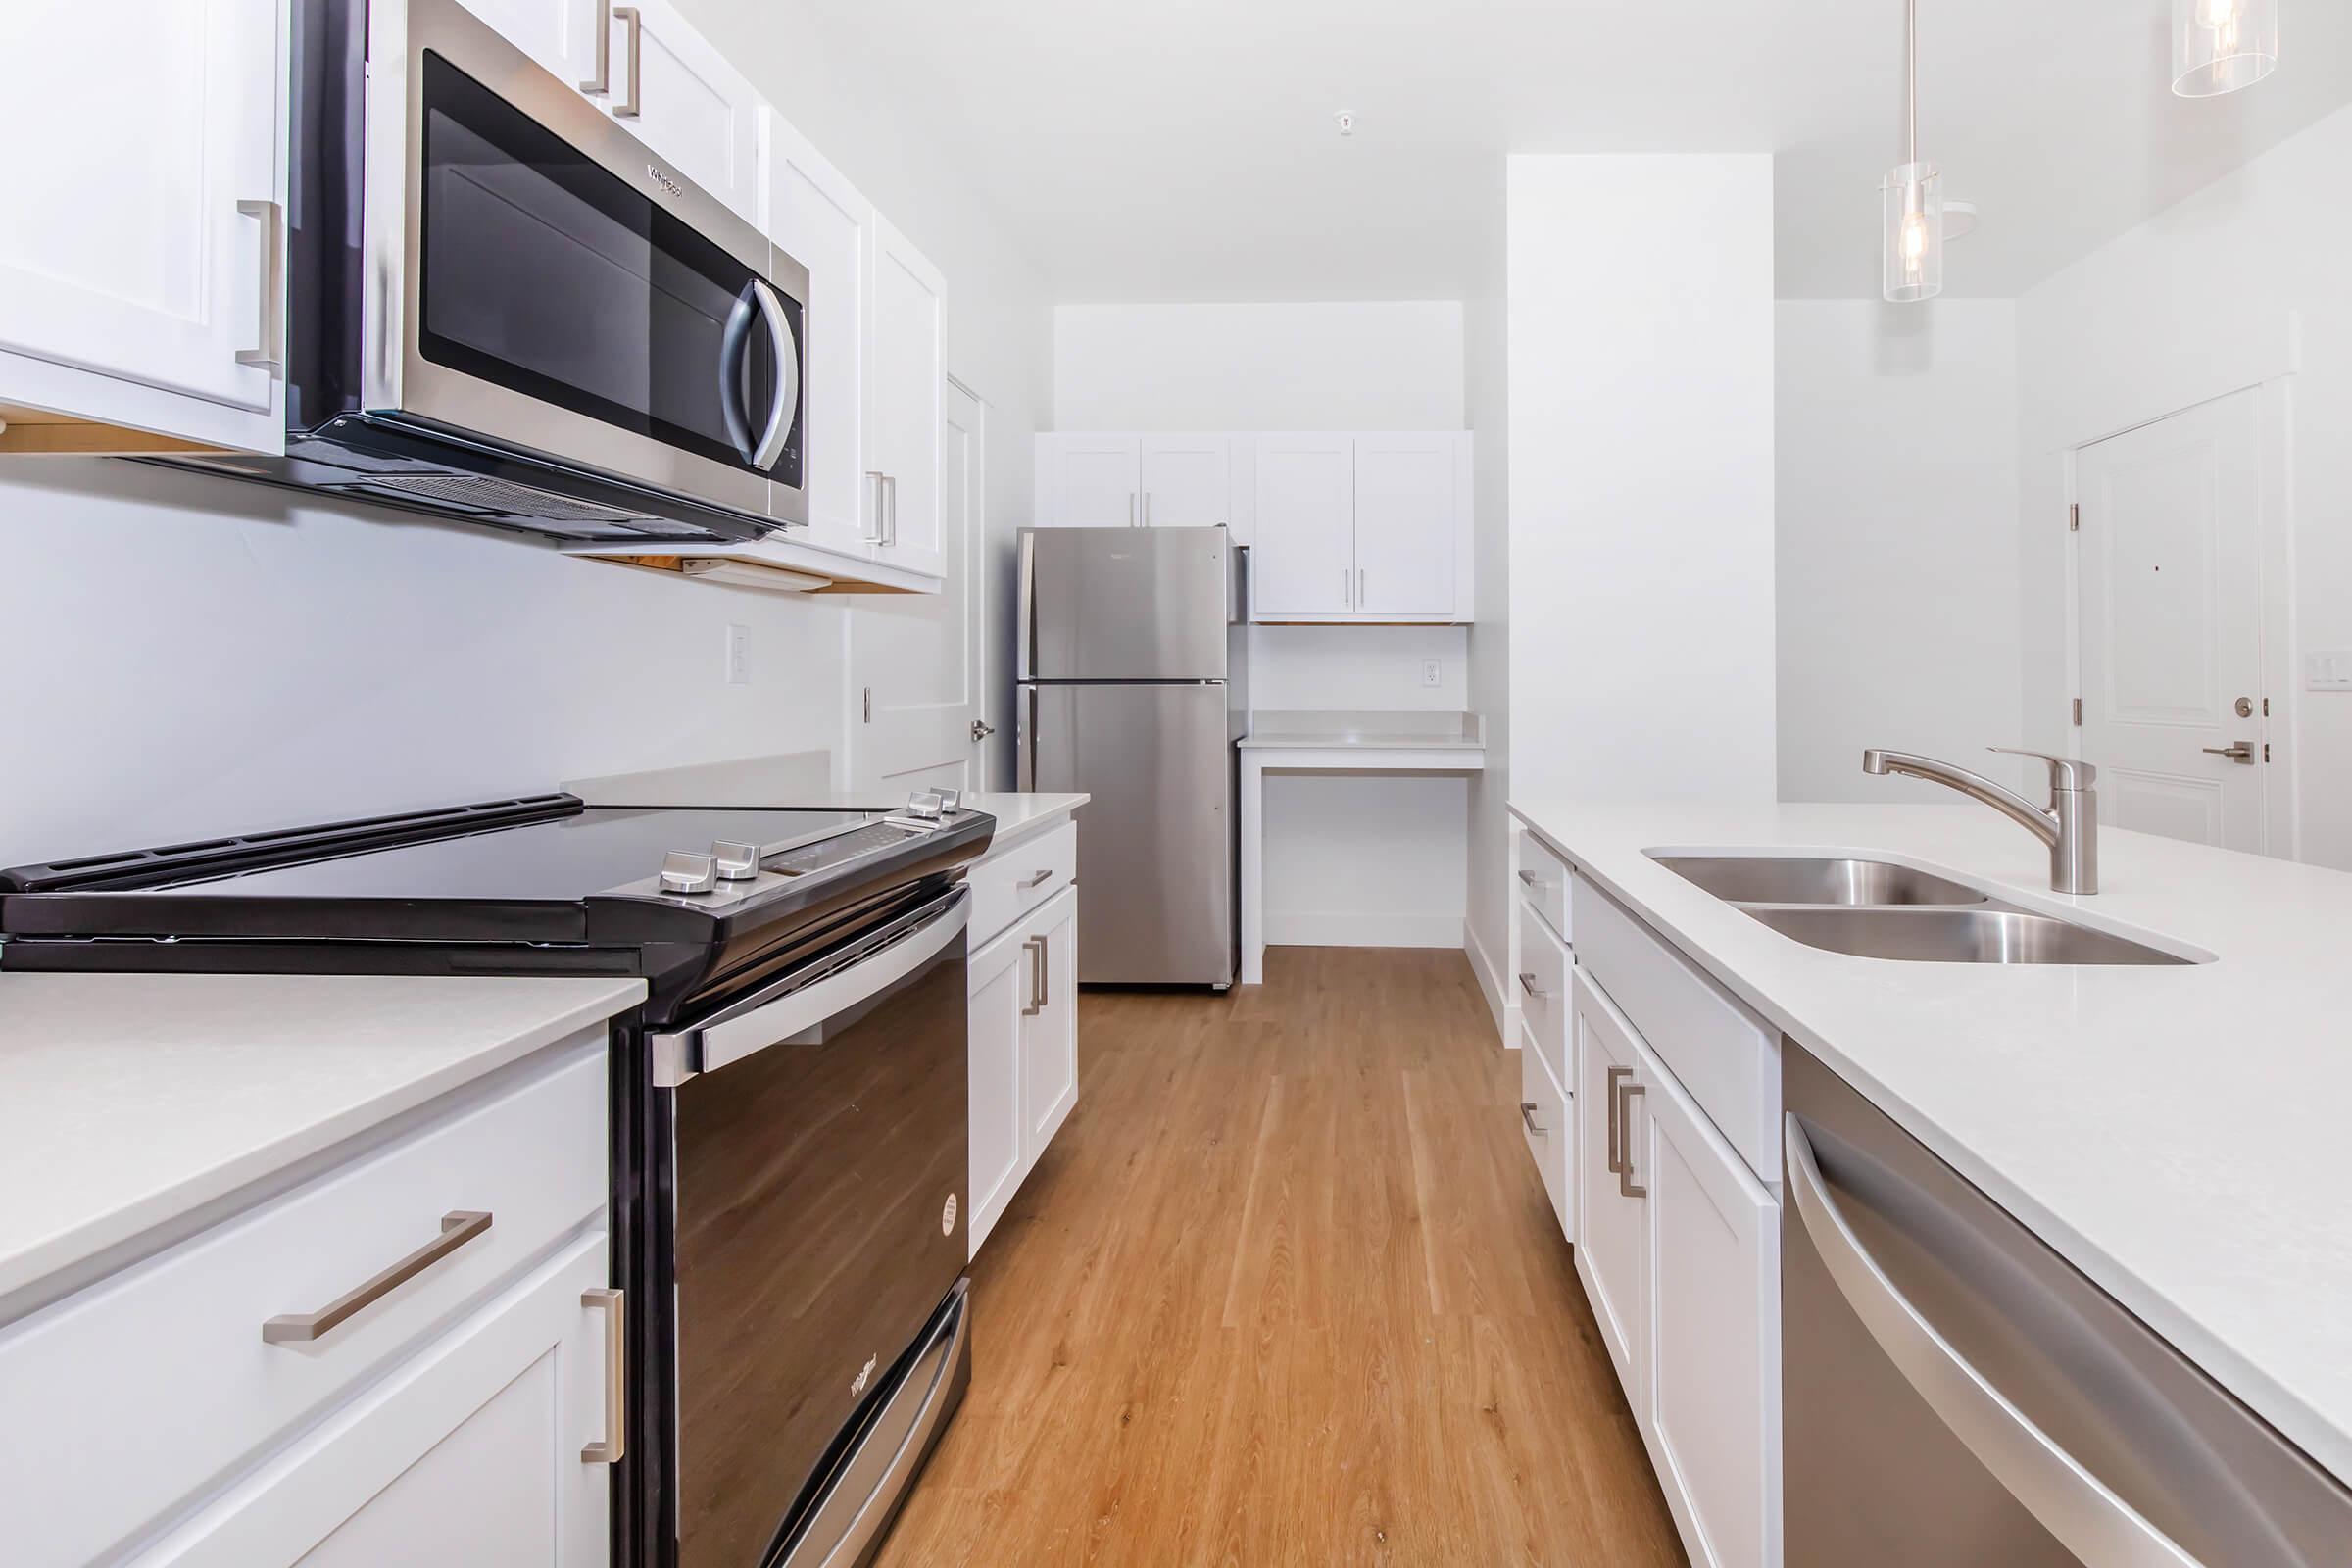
(617, 1388)
(1526, 983)
(457, 1229)
(1530, 879)
(1624, 1123)
(1526, 1114)
(1038, 880)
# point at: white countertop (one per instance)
(2183, 1135)
(1022, 816)
(1364, 729)
(127, 1100)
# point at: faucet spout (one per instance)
(2069, 826)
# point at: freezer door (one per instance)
(1125, 604)
(1156, 852)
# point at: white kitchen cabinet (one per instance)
(1090, 481)
(1412, 532)
(906, 391)
(1547, 1121)
(140, 285)
(1612, 1232)
(1303, 563)
(1023, 1063)
(679, 95)
(821, 222)
(470, 1452)
(1187, 481)
(1714, 1410)
(1049, 1026)
(560, 34)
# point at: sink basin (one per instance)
(1778, 879)
(1956, 935)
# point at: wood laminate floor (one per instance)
(1287, 1289)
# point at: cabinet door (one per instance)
(818, 219)
(691, 105)
(1187, 481)
(1050, 1029)
(1543, 1112)
(1407, 533)
(1612, 1233)
(560, 34)
(1088, 481)
(142, 191)
(905, 388)
(1304, 559)
(1714, 1420)
(471, 1452)
(1001, 989)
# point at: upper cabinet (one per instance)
(820, 218)
(682, 98)
(1136, 482)
(141, 273)
(905, 392)
(1303, 563)
(1412, 527)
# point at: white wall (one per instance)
(2242, 284)
(1485, 376)
(190, 654)
(1307, 366)
(1641, 418)
(1897, 540)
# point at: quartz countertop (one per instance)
(1364, 729)
(127, 1100)
(2179, 1134)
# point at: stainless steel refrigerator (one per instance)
(1131, 660)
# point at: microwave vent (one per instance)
(498, 498)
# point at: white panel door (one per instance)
(1090, 481)
(140, 188)
(1714, 1423)
(1406, 530)
(560, 34)
(691, 105)
(916, 659)
(1612, 1233)
(1001, 987)
(1187, 481)
(821, 222)
(906, 381)
(1050, 1024)
(468, 1456)
(1304, 559)
(2169, 568)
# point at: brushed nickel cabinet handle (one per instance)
(458, 1227)
(1526, 983)
(1036, 1003)
(874, 537)
(1045, 973)
(1038, 880)
(616, 1366)
(598, 85)
(1526, 1114)
(1625, 1118)
(628, 18)
(890, 493)
(1616, 1105)
(272, 354)
(1530, 879)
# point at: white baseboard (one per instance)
(1490, 981)
(1348, 928)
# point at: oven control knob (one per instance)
(925, 805)
(951, 801)
(736, 863)
(684, 871)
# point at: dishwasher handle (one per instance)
(2073, 1506)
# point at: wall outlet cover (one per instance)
(739, 655)
(1433, 673)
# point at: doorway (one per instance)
(2174, 706)
(916, 666)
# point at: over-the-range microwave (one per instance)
(503, 307)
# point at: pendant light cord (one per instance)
(1911, 46)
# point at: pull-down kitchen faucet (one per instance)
(2069, 824)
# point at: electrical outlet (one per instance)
(1433, 673)
(2327, 669)
(739, 655)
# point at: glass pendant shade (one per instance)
(2222, 45)
(1911, 202)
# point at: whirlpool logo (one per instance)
(667, 184)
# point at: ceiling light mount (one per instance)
(1344, 118)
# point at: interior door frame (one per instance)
(2274, 418)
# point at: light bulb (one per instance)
(1915, 243)
(2218, 13)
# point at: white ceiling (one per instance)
(1155, 151)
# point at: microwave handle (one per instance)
(734, 342)
(788, 377)
(775, 1016)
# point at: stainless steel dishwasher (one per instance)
(1956, 1393)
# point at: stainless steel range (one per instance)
(788, 1106)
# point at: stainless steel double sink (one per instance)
(1878, 909)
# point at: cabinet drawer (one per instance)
(1012, 882)
(131, 1398)
(1726, 1056)
(1543, 882)
(1542, 982)
(1543, 1123)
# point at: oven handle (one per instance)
(2073, 1506)
(788, 377)
(799, 1002)
(734, 342)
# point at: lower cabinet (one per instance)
(1024, 1052)
(1678, 1245)
(1544, 1121)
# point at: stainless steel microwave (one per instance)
(504, 309)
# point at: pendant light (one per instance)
(2222, 45)
(1911, 197)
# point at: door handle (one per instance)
(1035, 947)
(1625, 1116)
(982, 729)
(1037, 881)
(1130, 508)
(615, 1440)
(272, 354)
(1360, 596)
(1147, 509)
(2235, 751)
(874, 537)
(1347, 588)
(1526, 1114)
(890, 494)
(1616, 1105)
(634, 25)
(598, 85)
(458, 1227)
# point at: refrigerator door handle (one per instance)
(1025, 656)
(1029, 742)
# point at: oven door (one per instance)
(819, 1230)
(537, 278)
